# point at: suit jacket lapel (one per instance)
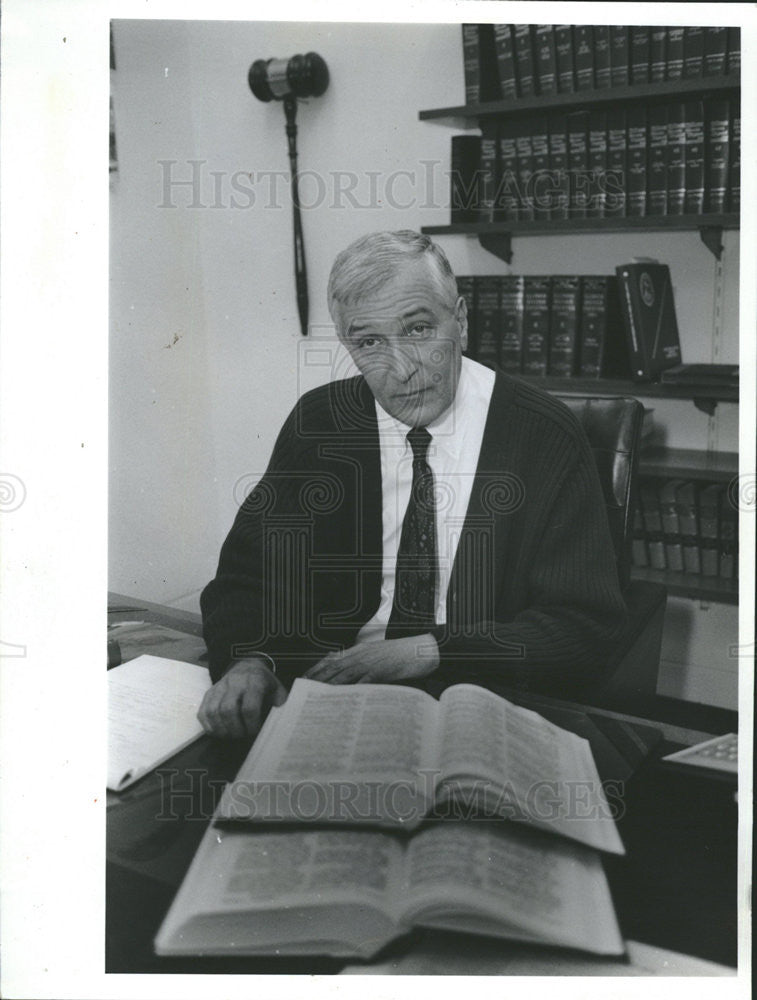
(479, 570)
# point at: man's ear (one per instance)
(461, 315)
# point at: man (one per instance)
(426, 518)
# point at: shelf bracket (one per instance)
(706, 405)
(499, 244)
(712, 237)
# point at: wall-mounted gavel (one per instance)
(286, 80)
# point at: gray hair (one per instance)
(369, 262)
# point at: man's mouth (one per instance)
(413, 393)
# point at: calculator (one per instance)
(717, 754)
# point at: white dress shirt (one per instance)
(453, 454)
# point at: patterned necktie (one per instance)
(414, 608)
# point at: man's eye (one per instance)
(420, 329)
(369, 343)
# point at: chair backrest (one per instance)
(613, 426)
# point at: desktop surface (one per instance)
(675, 888)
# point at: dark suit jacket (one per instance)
(533, 595)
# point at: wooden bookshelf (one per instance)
(701, 588)
(625, 387)
(496, 237)
(471, 114)
(687, 463)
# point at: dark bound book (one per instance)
(525, 60)
(639, 552)
(546, 59)
(566, 81)
(693, 52)
(674, 54)
(578, 163)
(511, 304)
(535, 325)
(657, 160)
(525, 170)
(728, 521)
(558, 165)
(583, 56)
(650, 506)
(650, 510)
(671, 528)
(734, 171)
(602, 348)
(733, 53)
(637, 160)
(541, 182)
(466, 287)
(471, 66)
(507, 198)
(707, 501)
(658, 40)
(640, 53)
(694, 130)
(503, 42)
(676, 158)
(616, 176)
(597, 163)
(715, 49)
(620, 56)
(465, 177)
(649, 319)
(489, 68)
(489, 173)
(488, 327)
(602, 78)
(688, 520)
(716, 155)
(563, 325)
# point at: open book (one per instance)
(350, 892)
(391, 756)
(152, 714)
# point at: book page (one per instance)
(152, 714)
(496, 878)
(278, 881)
(356, 753)
(515, 764)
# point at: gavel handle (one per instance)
(300, 269)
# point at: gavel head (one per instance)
(300, 76)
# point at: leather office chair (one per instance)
(613, 427)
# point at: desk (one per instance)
(675, 889)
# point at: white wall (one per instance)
(206, 353)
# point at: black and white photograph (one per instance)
(385, 404)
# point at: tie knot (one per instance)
(420, 439)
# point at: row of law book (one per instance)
(591, 326)
(559, 325)
(665, 159)
(686, 527)
(363, 812)
(508, 61)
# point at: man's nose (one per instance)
(405, 360)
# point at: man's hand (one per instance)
(379, 662)
(236, 706)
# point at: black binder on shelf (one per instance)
(649, 318)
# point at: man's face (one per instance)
(407, 341)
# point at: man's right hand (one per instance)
(236, 706)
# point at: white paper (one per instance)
(152, 714)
